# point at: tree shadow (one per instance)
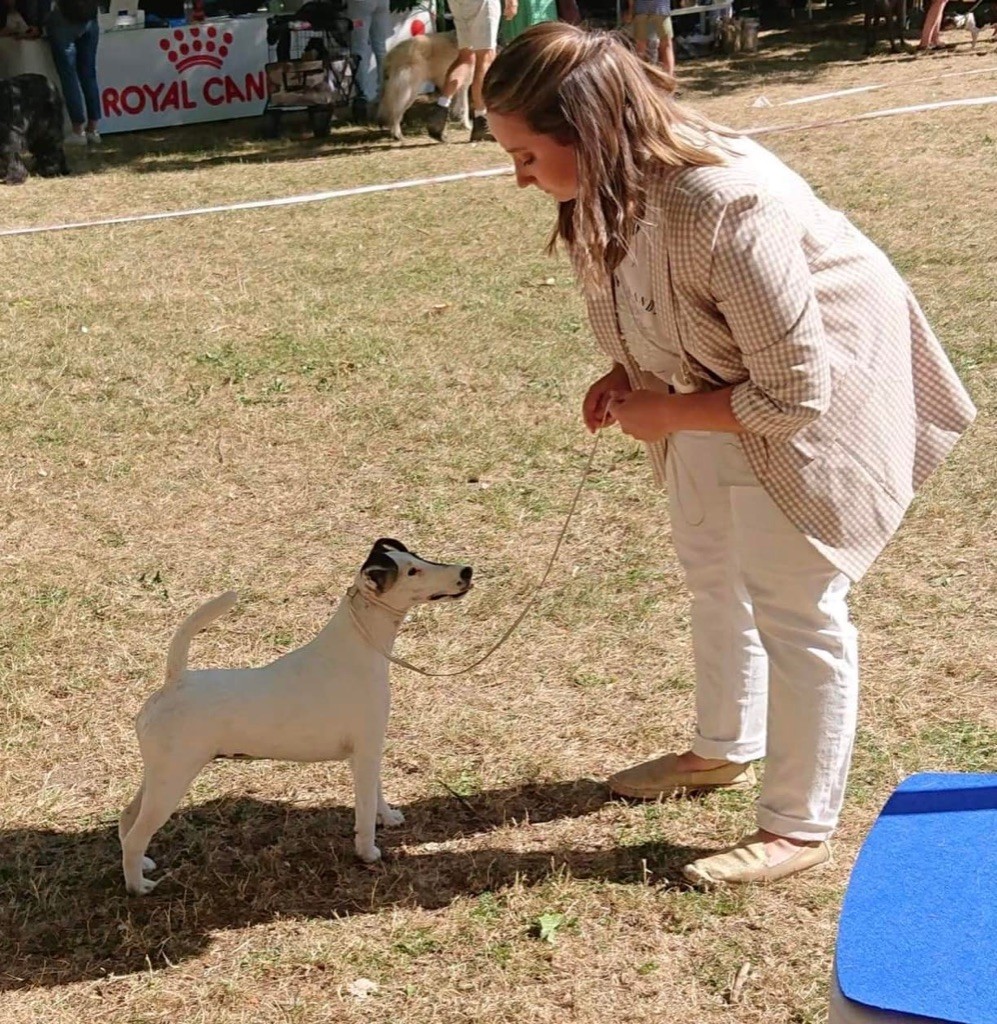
(64, 915)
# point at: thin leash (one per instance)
(365, 633)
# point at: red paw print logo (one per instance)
(197, 46)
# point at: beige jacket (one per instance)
(846, 396)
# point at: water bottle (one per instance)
(188, 10)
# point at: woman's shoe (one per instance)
(659, 778)
(746, 862)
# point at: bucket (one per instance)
(749, 35)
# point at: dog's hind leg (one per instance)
(366, 789)
(386, 814)
(127, 819)
(160, 795)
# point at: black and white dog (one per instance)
(31, 121)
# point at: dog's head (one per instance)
(400, 578)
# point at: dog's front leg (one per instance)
(366, 790)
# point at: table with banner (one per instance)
(158, 77)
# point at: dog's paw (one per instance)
(148, 864)
(368, 853)
(390, 817)
(144, 887)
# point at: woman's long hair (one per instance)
(591, 91)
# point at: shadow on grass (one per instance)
(797, 53)
(64, 915)
(189, 147)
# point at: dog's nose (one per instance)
(465, 573)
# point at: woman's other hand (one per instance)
(642, 415)
(595, 406)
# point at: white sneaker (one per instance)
(93, 137)
(72, 139)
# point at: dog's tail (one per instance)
(176, 659)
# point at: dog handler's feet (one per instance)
(479, 129)
(760, 857)
(678, 773)
(436, 123)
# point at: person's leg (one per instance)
(479, 124)
(360, 13)
(86, 68)
(799, 605)
(730, 662)
(800, 609)
(640, 30)
(380, 30)
(936, 33)
(930, 30)
(666, 50)
(458, 74)
(62, 43)
(482, 62)
(457, 77)
(731, 665)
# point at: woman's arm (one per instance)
(650, 415)
(763, 287)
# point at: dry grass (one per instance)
(248, 400)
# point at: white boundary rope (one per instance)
(259, 204)
(973, 101)
(317, 197)
(883, 85)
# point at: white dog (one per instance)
(408, 67)
(326, 701)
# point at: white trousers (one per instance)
(775, 653)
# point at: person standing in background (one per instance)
(73, 36)
(371, 27)
(653, 14)
(477, 25)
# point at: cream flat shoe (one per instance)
(746, 862)
(658, 778)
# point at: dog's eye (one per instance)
(413, 571)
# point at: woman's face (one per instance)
(539, 160)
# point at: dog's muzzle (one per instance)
(465, 585)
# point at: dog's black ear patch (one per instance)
(390, 542)
(380, 568)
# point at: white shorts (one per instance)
(476, 22)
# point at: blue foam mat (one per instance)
(918, 929)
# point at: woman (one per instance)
(73, 34)
(789, 391)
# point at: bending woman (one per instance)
(788, 388)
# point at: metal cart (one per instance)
(311, 69)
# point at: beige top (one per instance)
(846, 397)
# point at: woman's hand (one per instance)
(594, 407)
(643, 415)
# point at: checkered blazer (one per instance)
(846, 397)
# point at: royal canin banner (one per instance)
(152, 78)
